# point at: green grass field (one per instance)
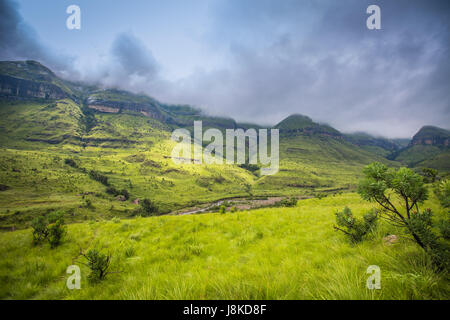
(285, 253)
(269, 253)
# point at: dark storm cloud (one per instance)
(19, 41)
(282, 57)
(128, 65)
(318, 58)
(133, 56)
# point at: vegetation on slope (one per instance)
(282, 253)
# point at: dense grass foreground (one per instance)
(287, 253)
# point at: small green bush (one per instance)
(444, 228)
(148, 208)
(99, 264)
(130, 252)
(40, 229)
(71, 163)
(429, 175)
(56, 232)
(222, 209)
(97, 176)
(50, 228)
(113, 191)
(421, 225)
(354, 228)
(116, 220)
(291, 202)
(442, 192)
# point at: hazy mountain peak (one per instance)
(431, 135)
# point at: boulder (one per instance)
(391, 239)
(121, 198)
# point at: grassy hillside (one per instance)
(425, 156)
(430, 147)
(67, 148)
(286, 253)
(377, 145)
(133, 151)
(314, 163)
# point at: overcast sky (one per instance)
(253, 60)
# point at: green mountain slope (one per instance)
(430, 147)
(126, 138)
(302, 124)
(378, 145)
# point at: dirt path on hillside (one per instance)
(239, 203)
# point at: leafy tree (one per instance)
(354, 228)
(399, 194)
(429, 175)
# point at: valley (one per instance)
(98, 157)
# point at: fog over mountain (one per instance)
(255, 61)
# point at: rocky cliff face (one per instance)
(432, 136)
(20, 88)
(111, 106)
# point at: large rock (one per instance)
(391, 239)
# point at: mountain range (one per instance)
(47, 122)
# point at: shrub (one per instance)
(130, 252)
(50, 228)
(233, 209)
(148, 208)
(125, 193)
(354, 228)
(429, 175)
(54, 216)
(222, 209)
(291, 202)
(421, 224)
(444, 227)
(40, 229)
(56, 232)
(71, 163)
(88, 203)
(113, 191)
(116, 220)
(442, 192)
(399, 194)
(99, 264)
(97, 176)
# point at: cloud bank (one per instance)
(311, 57)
